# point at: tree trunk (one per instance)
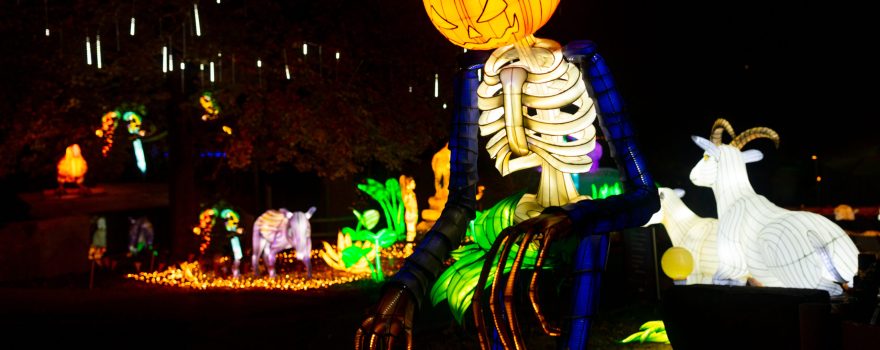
(182, 186)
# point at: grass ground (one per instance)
(121, 312)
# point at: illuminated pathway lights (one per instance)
(190, 275)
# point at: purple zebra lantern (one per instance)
(278, 230)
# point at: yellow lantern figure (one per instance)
(72, 168)
(486, 25)
(441, 166)
(677, 263)
(411, 209)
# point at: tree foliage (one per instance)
(332, 118)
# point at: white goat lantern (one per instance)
(759, 240)
(687, 230)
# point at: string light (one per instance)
(98, 49)
(212, 71)
(436, 86)
(287, 71)
(198, 26)
(337, 55)
(88, 51)
(164, 59)
(131, 28)
(170, 62)
(182, 66)
(260, 71)
(46, 8)
(305, 49)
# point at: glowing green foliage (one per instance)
(650, 332)
(388, 196)
(458, 283)
(353, 254)
(489, 224)
(605, 190)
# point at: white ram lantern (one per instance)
(758, 240)
(698, 235)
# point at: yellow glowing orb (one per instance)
(677, 263)
(486, 25)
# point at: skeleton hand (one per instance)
(544, 229)
(388, 322)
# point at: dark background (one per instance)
(803, 68)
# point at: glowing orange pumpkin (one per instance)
(72, 168)
(486, 25)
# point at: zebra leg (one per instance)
(257, 250)
(270, 261)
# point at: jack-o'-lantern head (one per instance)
(488, 24)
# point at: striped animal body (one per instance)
(278, 230)
(687, 230)
(774, 246)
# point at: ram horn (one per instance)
(720, 126)
(755, 133)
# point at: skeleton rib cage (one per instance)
(539, 114)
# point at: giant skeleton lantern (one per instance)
(539, 111)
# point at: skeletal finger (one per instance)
(494, 303)
(389, 342)
(476, 301)
(533, 287)
(358, 338)
(374, 339)
(509, 289)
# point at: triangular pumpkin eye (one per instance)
(443, 22)
(493, 9)
(473, 33)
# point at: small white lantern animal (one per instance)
(277, 230)
(756, 238)
(687, 230)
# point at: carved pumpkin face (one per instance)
(489, 24)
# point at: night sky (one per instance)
(802, 68)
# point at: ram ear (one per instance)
(706, 145)
(679, 192)
(752, 155)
